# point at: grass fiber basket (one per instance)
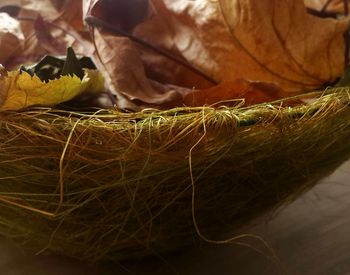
(109, 185)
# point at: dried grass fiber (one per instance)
(112, 185)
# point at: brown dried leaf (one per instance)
(124, 71)
(11, 37)
(124, 15)
(69, 11)
(332, 6)
(47, 40)
(37, 41)
(47, 31)
(230, 92)
(270, 41)
(45, 7)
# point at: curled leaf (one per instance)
(270, 41)
(124, 15)
(123, 69)
(48, 29)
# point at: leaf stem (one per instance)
(325, 6)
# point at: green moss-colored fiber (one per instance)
(113, 185)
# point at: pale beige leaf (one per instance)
(46, 7)
(59, 27)
(11, 37)
(69, 11)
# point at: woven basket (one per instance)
(112, 185)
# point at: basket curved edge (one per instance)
(112, 185)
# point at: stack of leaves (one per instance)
(169, 53)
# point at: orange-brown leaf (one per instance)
(330, 6)
(269, 41)
(233, 92)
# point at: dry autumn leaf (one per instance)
(124, 15)
(326, 5)
(47, 31)
(20, 90)
(271, 41)
(240, 43)
(239, 91)
(133, 89)
(11, 37)
(124, 71)
(68, 11)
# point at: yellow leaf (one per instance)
(20, 90)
